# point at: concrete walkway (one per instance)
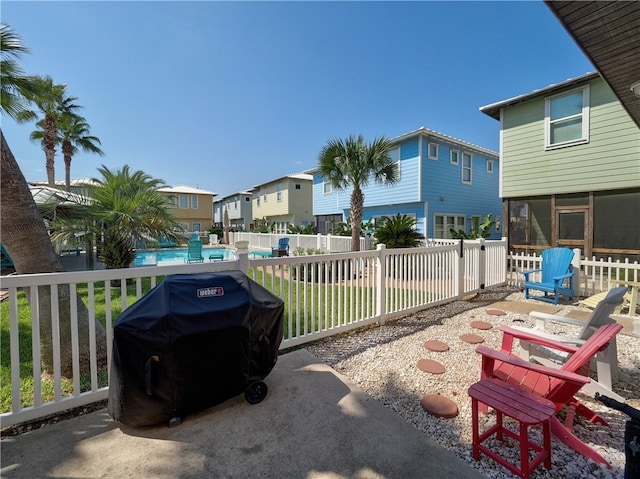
(313, 424)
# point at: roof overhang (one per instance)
(493, 110)
(608, 32)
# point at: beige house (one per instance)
(285, 201)
(193, 206)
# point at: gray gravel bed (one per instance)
(382, 361)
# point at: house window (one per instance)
(173, 201)
(194, 201)
(298, 186)
(433, 151)
(279, 192)
(235, 205)
(184, 200)
(466, 167)
(258, 201)
(326, 188)
(567, 119)
(454, 157)
(443, 224)
(489, 166)
(394, 155)
(195, 227)
(246, 198)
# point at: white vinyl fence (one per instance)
(591, 275)
(324, 294)
(325, 243)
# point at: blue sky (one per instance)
(227, 95)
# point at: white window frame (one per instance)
(583, 115)
(458, 222)
(298, 186)
(489, 166)
(437, 149)
(394, 155)
(196, 227)
(194, 202)
(327, 189)
(279, 192)
(454, 157)
(467, 168)
(183, 200)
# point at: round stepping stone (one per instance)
(430, 366)
(435, 345)
(439, 406)
(472, 338)
(496, 312)
(481, 325)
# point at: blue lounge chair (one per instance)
(6, 259)
(557, 276)
(194, 252)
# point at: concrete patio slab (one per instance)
(313, 424)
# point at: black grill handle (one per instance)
(633, 413)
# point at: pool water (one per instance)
(168, 256)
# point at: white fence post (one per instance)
(243, 255)
(576, 266)
(381, 280)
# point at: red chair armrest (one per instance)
(489, 356)
(509, 333)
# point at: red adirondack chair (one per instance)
(557, 385)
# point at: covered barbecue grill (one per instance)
(193, 341)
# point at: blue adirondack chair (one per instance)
(194, 251)
(6, 259)
(282, 249)
(557, 276)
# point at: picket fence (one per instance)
(324, 294)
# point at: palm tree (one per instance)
(22, 228)
(127, 206)
(14, 84)
(354, 163)
(74, 135)
(51, 100)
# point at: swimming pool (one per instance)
(160, 257)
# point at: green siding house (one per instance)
(570, 169)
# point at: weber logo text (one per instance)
(212, 291)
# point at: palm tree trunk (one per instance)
(50, 148)
(357, 202)
(66, 146)
(25, 237)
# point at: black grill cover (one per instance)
(193, 341)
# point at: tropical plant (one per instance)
(308, 229)
(398, 231)
(345, 229)
(478, 229)
(354, 163)
(126, 206)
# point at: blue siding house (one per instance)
(444, 183)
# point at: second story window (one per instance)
(433, 151)
(279, 192)
(566, 119)
(194, 201)
(454, 157)
(394, 154)
(489, 166)
(326, 188)
(467, 164)
(184, 200)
